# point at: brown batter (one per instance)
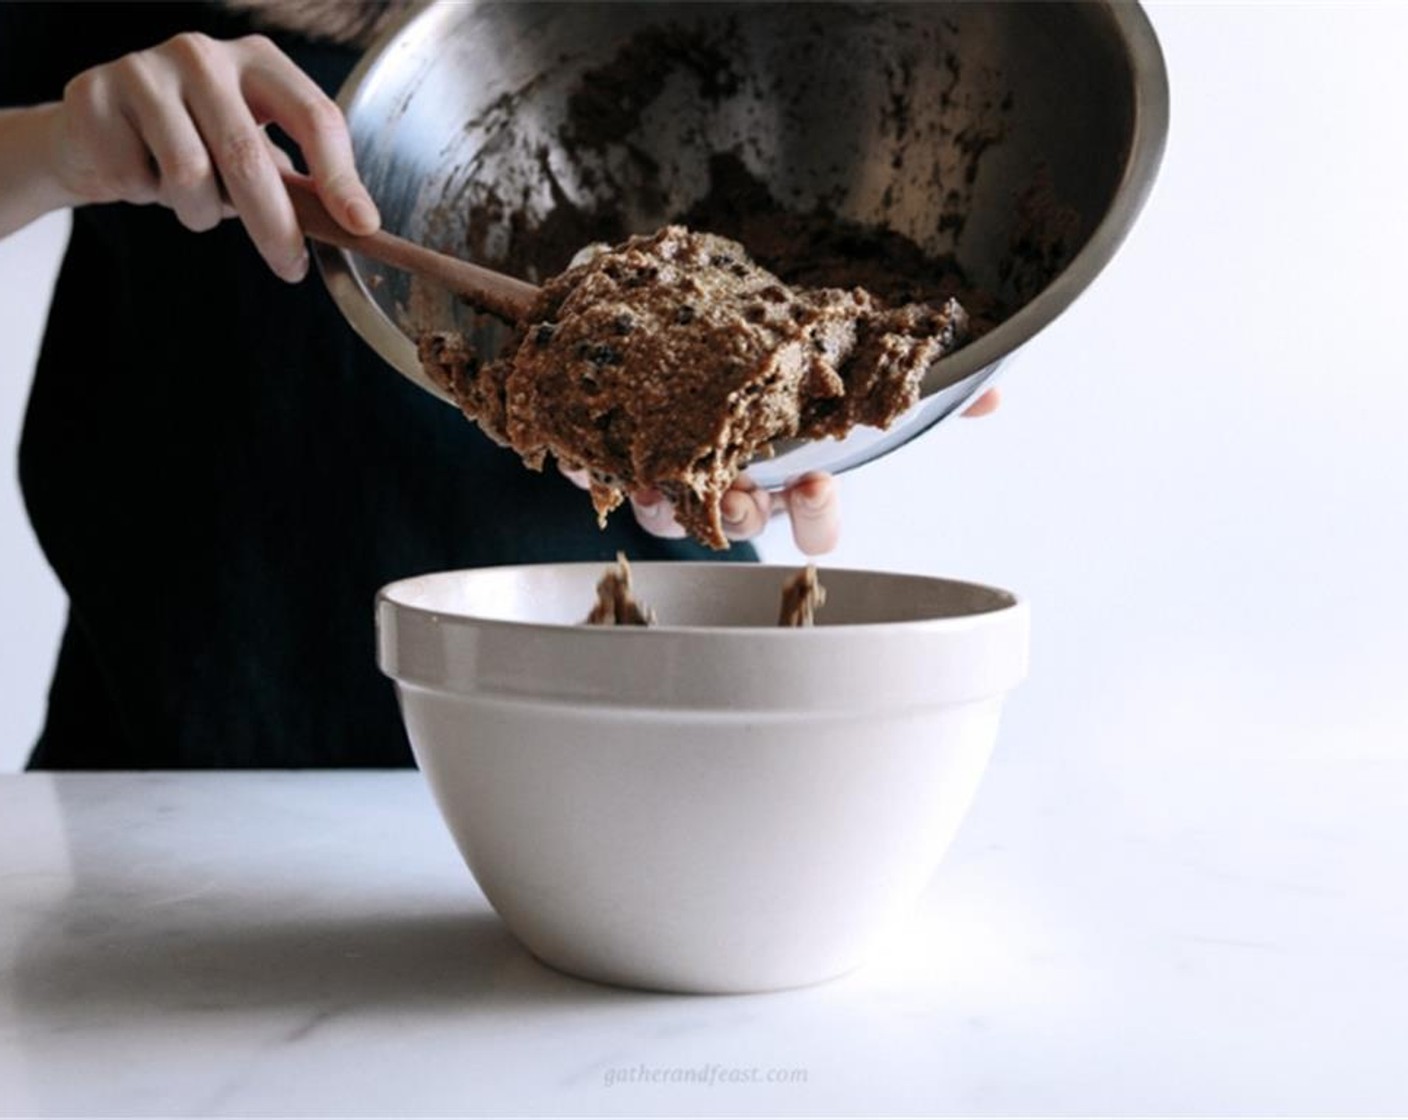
(802, 597)
(673, 359)
(615, 600)
(616, 604)
(821, 249)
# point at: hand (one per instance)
(810, 502)
(182, 125)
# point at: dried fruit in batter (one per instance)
(670, 361)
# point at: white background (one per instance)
(1199, 476)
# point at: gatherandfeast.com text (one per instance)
(711, 1073)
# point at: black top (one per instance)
(222, 474)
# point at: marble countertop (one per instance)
(1205, 938)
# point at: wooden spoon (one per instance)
(502, 296)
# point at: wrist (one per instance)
(49, 142)
(31, 143)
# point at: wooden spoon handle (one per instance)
(503, 296)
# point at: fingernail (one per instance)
(363, 214)
(811, 500)
(298, 269)
(734, 509)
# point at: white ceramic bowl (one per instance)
(713, 805)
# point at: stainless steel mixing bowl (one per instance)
(1021, 138)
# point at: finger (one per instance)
(187, 176)
(769, 503)
(655, 515)
(277, 90)
(579, 478)
(815, 509)
(281, 161)
(240, 152)
(279, 156)
(247, 171)
(104, 158)
(744, 513)
(984, 405)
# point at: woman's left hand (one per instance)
(810, 502)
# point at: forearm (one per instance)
(29, 185)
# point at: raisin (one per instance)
(624, 324)
(685, 314)
(544, 333)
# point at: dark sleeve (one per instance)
(29, 46)
(44, 43)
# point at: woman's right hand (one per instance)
(181, 125)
